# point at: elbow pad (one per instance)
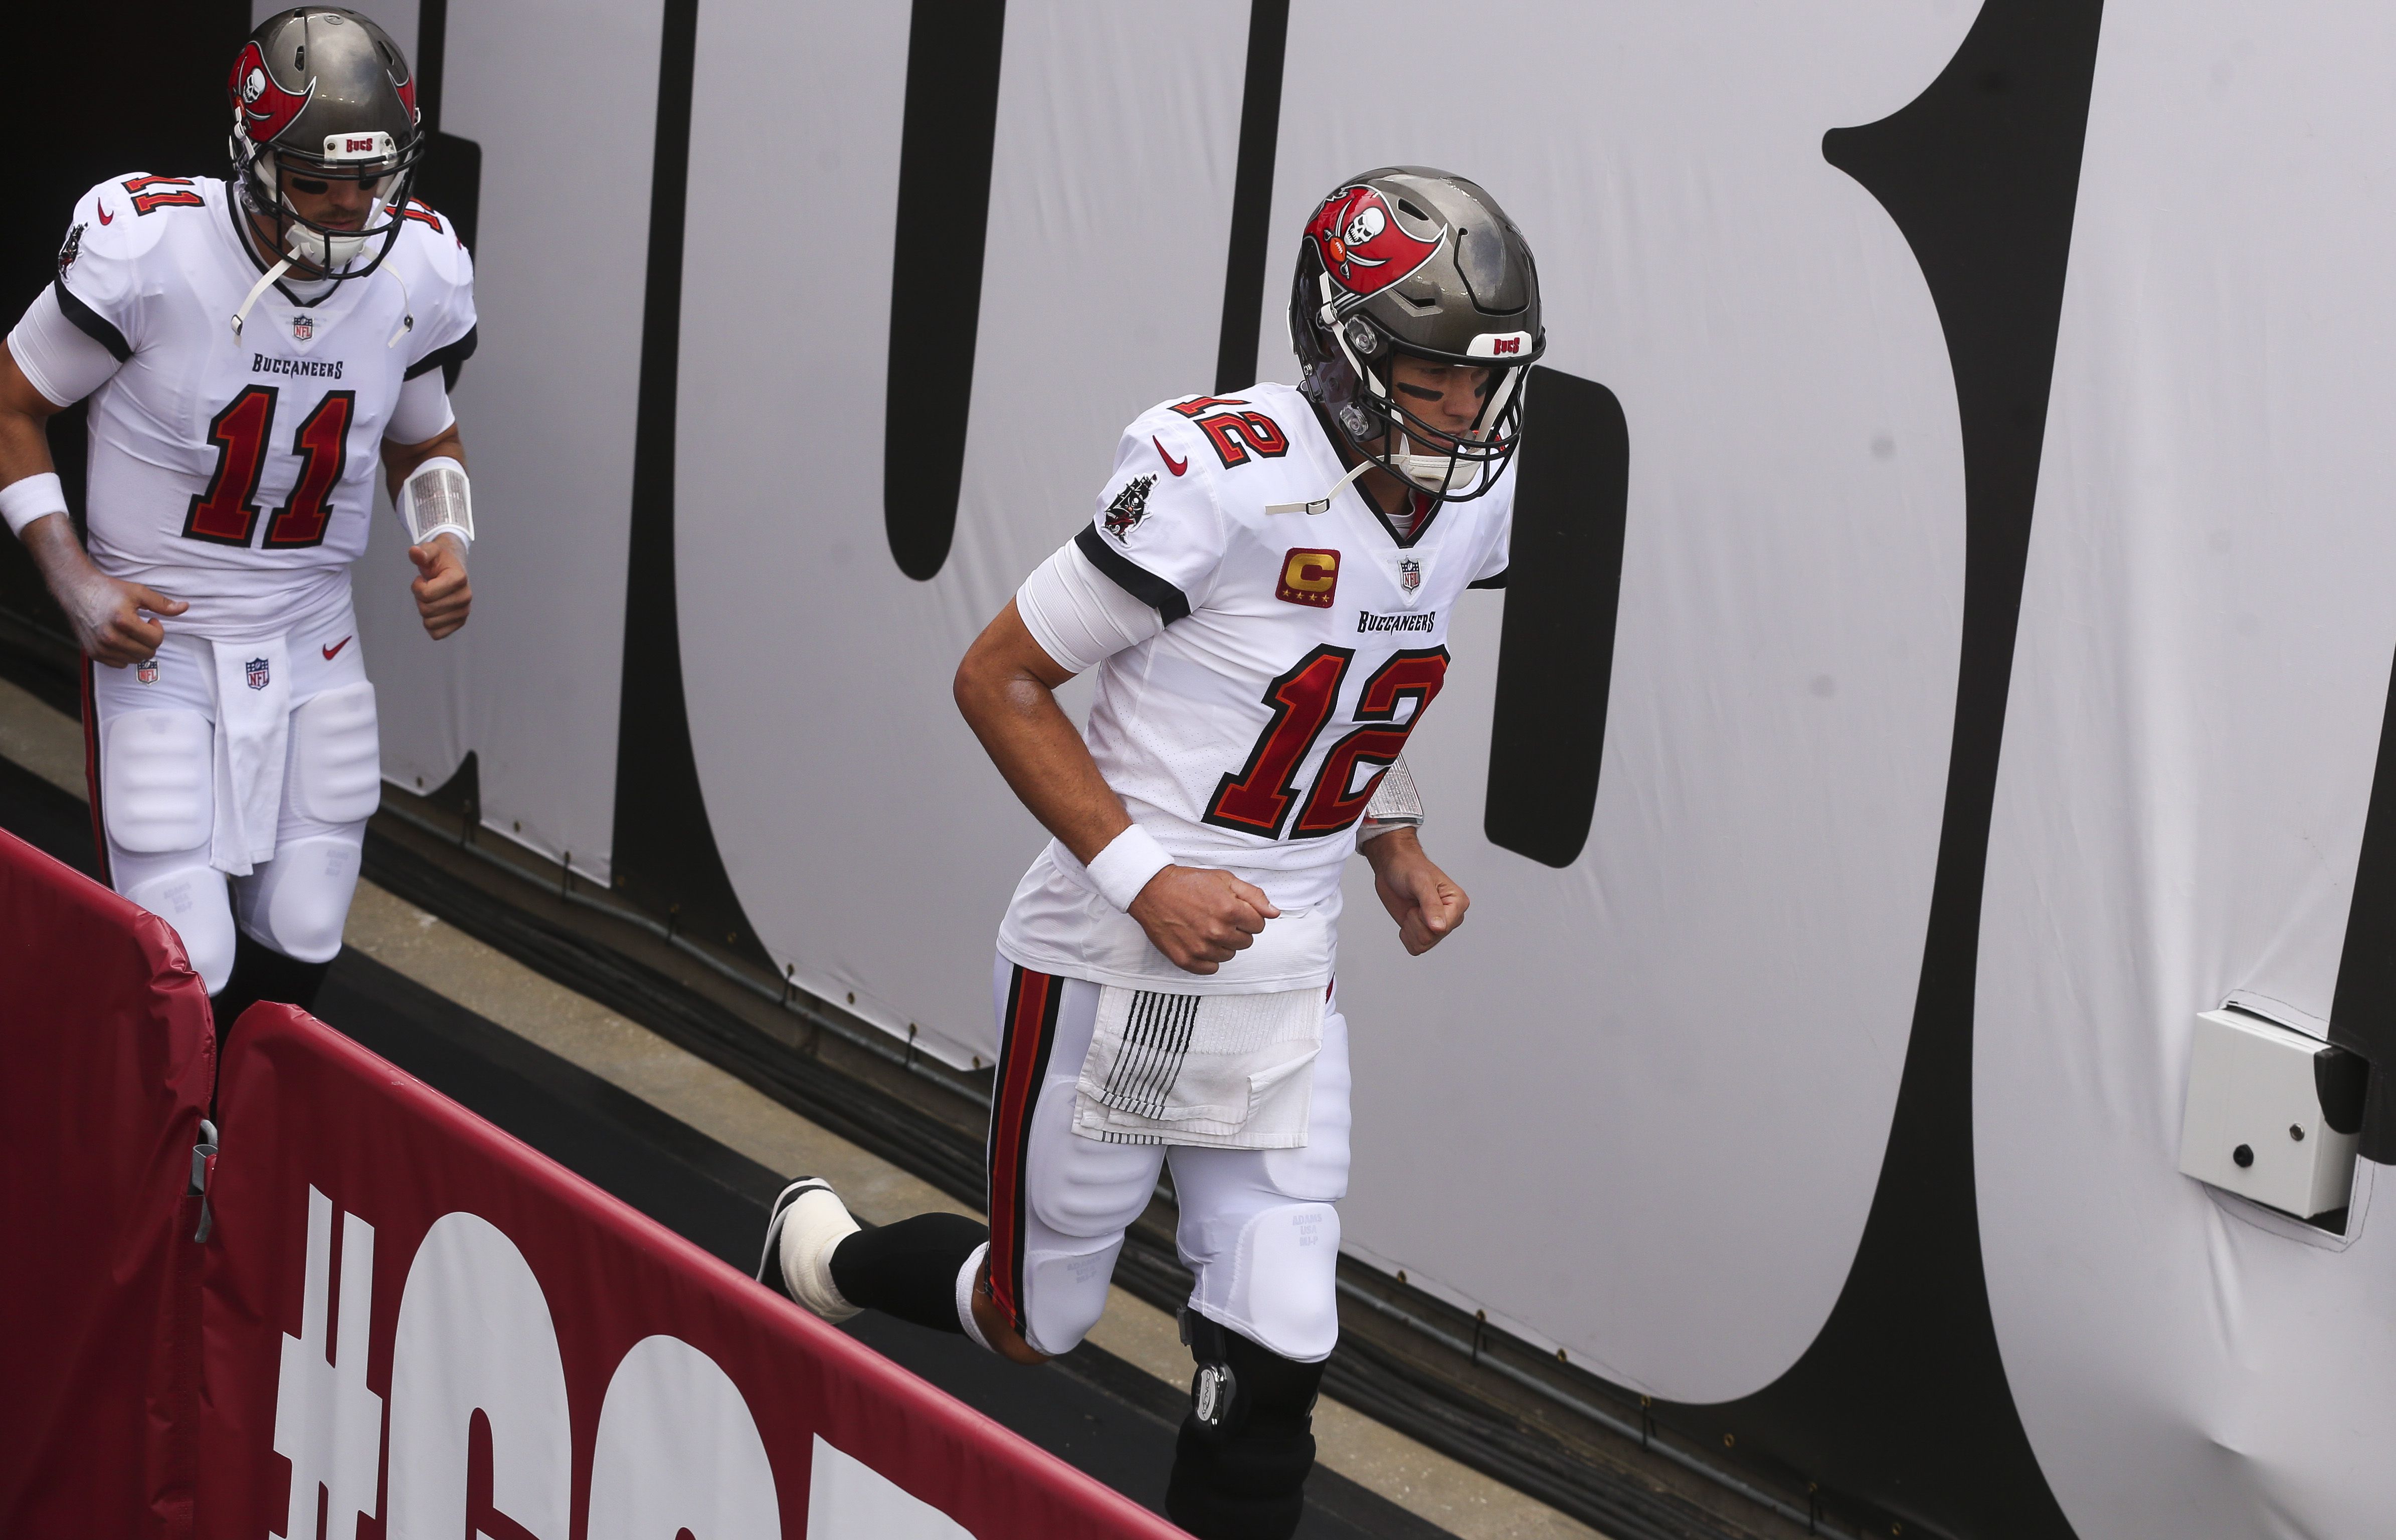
(437, 496)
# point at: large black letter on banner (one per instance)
(1564, 584)
(1902, 1400)
(1244, 267)
(950, 134)
(2362, 1013)
(666, 856)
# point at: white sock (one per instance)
(966, 1297)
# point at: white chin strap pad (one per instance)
(437, 497)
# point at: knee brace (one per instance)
(1241, 1463)
(298, 902)
(336, 757)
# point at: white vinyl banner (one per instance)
(1693, 1036)
(2205, 634)
(1714, 1002)
(870, 841)
(562, 100)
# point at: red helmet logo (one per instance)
(406, 89)
(1362, 245)
(265, 108)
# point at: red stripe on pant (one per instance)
(91, 771)
(1032, 1000)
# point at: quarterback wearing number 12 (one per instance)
(1264, 588)
(249, 348)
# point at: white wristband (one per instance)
(1125, 867)
(34, 497)
(434, 497)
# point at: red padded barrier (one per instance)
(407, 1315)
(106, 1057)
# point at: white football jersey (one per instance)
(1298, 653)
(236, 472)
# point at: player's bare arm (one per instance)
(444, 597)
(1425, 902)
(1007, 685)
(114, 621)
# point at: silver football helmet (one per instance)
(1408, 259)
(325, 95)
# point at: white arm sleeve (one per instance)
(422, 411)
(1080, 616)
(57, 358)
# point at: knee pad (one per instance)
(158, 781)
(298, 902)
(336, 756)
(1241, 1462)
(1064, 1294)
(191, 898)
(1280, 1281)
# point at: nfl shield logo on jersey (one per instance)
(1409, 573)
(256, 670)
(147, 671)
(302, 327)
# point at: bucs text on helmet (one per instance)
(1408, 259)
(325, 95)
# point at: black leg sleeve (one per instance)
(261, 973)
(1240, 1466)
(909, 1269)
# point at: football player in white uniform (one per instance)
(250, 349)
(1265, 592)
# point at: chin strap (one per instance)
(1323, 503)
(266, 280)
(406, 307)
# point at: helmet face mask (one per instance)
(1410, 262)
(323, 95)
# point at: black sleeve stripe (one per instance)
(91, 323)
(1133, 579)
(448, 360)
(1497, 581)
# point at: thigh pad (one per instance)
(1085, 1188)
(336, 758)
(157, 780)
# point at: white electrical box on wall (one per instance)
(2272, 1114)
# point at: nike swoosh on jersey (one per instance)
(105, 217)
(1177, 467)
(336, 647)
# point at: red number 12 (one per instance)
(1258, 797)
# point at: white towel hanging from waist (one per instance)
(253, 682)
(1227, 1071)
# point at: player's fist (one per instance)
(114, 622)
(1200, 918)
(1419, 895)
(442, 595)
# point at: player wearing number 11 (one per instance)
(1264, 591)
(249, 348)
